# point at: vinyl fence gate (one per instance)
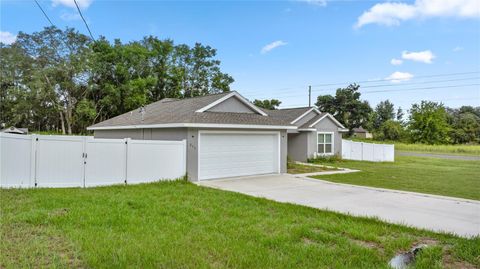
(82, 161)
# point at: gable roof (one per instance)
(311, 123)
(189, 112)
(288, 115)
(231, 95)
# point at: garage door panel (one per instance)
(234, 154)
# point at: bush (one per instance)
(390, 130)
(326, 159)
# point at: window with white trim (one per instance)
(325, 143)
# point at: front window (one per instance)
(325, 143)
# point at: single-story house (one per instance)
(227, 135)
(361, 133)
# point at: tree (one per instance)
(391, 130)
(400, 115)
(346, 106)
(61, 80)
(271, 104)
(428, 123)
(383, 112)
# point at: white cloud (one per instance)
(7, 38)
(83, 4)
(397, 77)
(390, 14)
(273, 45)
(396, 61)
(320, 3)
(67, 16)
(425, 56)
(457, 49)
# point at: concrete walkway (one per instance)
(437, 213)
(438, 155)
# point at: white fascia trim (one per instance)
(194, 125)
(308, 129)
(241, 98)
(331, 117)
(306, 113)
(343, 130)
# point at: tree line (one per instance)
(61, 80)
(428, 122)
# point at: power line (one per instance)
(303, 87)
(426, 88)
(81, 15)
(389, 79)
(394, 90)
(409, 84)
(45, 14)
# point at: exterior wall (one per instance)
(325, 125)
(297, 146)
(363, 135)
(306, 118)
(191, 135)
(232, 104)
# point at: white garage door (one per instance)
(237, 154)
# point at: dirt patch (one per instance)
(35, 246)
(307, 241)
(367, 244)
(58, 212)
(426, 241)
(450, 262)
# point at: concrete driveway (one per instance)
(437, 213)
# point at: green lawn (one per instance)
(295, 168)
(446, 149)
(455, 178)
(181, 225)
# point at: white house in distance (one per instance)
(228, 136)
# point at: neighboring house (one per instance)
(361, 133)
(227, 135)
(14, 130)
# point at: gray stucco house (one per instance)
(227, 135)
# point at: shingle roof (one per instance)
(287, 115)
(183, 111)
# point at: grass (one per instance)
(449, 149)
(295, 168)
(455, 178)
(181, 225)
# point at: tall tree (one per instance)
(346, 106)
(384, 111)
(428, 123)
(400, 115)
(271, 104)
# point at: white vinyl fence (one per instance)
(367, 151)
(82, 161)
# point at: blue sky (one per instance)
(275, 49)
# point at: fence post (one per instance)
(84, 154)
(127, 142)
(33, 161)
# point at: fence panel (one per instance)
(105, 162)
(59, 161)
(149, 160)
(16, 166)
(79, 161)
(367, 151)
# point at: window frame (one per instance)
(323, 143)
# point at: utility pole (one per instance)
(309, 96)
